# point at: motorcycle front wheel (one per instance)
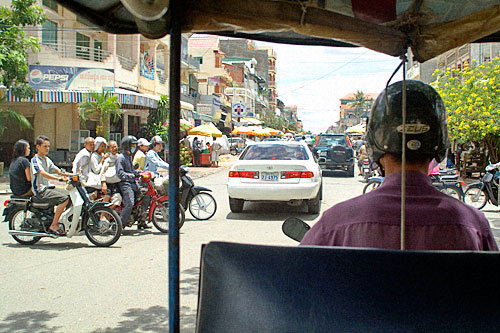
(16, 220)
(372, 185)
(160, 217)
(106, 227)
(475, 197)
(202, 206)
(452, 192)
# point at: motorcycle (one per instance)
(486, 190)
(29, 220)
(156, 211)
(295, 228)
(446, 182)
(201, 204)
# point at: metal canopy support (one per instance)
(173, 158)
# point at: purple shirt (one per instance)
(434, 220)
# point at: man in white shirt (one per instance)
(81, 163)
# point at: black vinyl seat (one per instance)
(251, 288)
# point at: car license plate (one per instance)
(269, 176)
(323, 153)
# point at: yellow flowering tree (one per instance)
(472, 99)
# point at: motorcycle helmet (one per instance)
(129, 143)
(426, 129)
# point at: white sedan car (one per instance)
(281, 171)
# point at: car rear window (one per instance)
(330, 140)
(275, 152)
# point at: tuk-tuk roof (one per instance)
(429, 27)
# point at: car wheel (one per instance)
(236, 205)
(350, 173)
(314, 205)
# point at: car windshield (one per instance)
(331, 140)
(275, 152)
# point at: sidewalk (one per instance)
(225, 161)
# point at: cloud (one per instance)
(315, 78)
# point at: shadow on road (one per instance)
(341, 174)
(152, 319)
(189, 285)
(28, 321)
(53, 246)
(271, 211)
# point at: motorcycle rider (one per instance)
(434, 220)
(128, 184)
(41, 169)
(153, 160)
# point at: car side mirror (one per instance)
(322, 160)
(136, 166)
(295, 228)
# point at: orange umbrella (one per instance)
(240, 130)
(288, 134)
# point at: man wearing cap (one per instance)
(153, 160)
(433, 220)
(140, 154)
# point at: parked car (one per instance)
(275, 171)
(335, 153)
(271, 139)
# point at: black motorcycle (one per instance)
(201, 204)
(484, 191)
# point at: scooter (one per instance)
(29, 220)
(295, 228)
(156, 211)
(486, 190)
(202, 205)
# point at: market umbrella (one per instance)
(360, 129)
(206, 130)
(240, 130)
(288, 134)
(186, 125)
(271, 131)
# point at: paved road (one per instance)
(68, 285)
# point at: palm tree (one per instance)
(105, 106)
(360, 105)
(13, 117)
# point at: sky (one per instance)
(315, 78)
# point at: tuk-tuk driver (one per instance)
(434, 220)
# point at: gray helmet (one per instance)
(128, 142)
(426, 130)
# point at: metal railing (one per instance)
(126, 63)
(65, 50)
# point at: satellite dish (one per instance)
(147, 10)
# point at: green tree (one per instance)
(472, 99)
(157, 118)
(104, 106)
(360, 105)
(14, 47)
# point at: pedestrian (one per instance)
(434, 220)
(214, 156)
(19, 170)
(196, 151)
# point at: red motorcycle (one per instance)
(157, 210)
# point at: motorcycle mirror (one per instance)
(322, 160)
(136, 166)
(295, 228)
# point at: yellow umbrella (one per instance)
(271, 131)
(240, 130)
(206, 130)
(288, 134)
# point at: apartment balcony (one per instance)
(272, 69)
(272, 84)
(192, 66)
(126, 63)
(65, 50)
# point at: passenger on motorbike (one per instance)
(153, 160)
(434, 220)
(108, 175)
(140, 154)
(96, 164)
(128, 184)
(19, 170)
(41, 169)
(81, 163)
